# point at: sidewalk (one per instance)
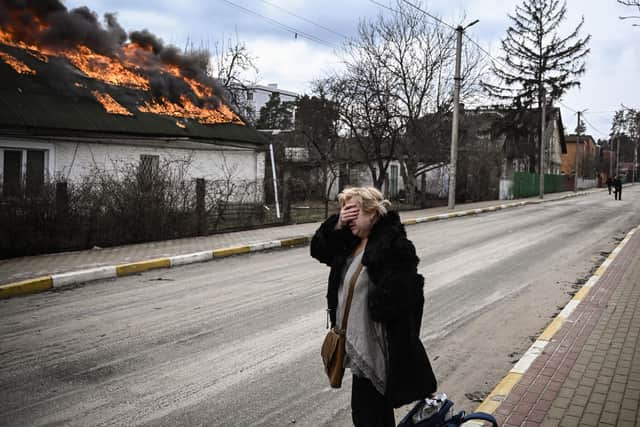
(26, 268)
(584, 370)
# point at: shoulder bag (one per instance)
(333, 348)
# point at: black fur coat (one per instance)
(395, 298)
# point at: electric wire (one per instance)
(286, 27)
(593, 127)
(305, 19)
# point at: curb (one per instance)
(56, 281)
(492, 402)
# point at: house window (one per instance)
(35, 171)
(249, 96)
(11, 173)
(22, 166)
(296, 154)
(149, 165)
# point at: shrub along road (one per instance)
(236, 341)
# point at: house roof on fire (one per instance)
(54, 98)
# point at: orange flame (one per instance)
(189, 110)
(110, 104)
(127, 70)
(105, 69)
(18, 66)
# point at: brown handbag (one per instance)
(333, 348)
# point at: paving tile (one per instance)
(593, 408)
(570, 421)
(515, 419)
(608, 418)
(575, 410)
(627, 415)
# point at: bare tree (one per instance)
(398, 87)
(233, 66)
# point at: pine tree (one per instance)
(537, 60)
(275, 114)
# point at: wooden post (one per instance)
(201, 212)
(62, 201)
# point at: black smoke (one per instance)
(82, 26)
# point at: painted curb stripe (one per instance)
(225, 252)
(551, 330)
(65, 279)
(26, 286)
(501, 391)
(139, 267)
(191, 258)
(264, 245)
(527, 359)
(295, 241)
(569, 308)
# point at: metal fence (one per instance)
(528, 184)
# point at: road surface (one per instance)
(236, 341)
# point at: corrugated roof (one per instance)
(58, 98)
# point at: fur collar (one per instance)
(384, 237)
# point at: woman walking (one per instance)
(383, 349)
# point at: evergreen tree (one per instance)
(536, 58)
(276, 114)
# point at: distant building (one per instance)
(585, 158)
(253, 98)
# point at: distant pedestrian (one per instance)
(383, 349)
(609, 183)
(617, 183)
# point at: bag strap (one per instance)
(347, 306)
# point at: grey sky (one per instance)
(613, 67)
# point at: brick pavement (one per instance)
(589, 373)
(16, 269)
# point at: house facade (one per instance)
(55, 125)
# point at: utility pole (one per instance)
(456, 116)
(618, 157)
(575, 176)
(543, 113)
(578, 130)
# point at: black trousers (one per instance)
(618, 194)
(368, 407)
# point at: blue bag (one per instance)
(442, 416)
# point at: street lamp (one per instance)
(454, 123)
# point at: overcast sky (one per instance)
(613, 67)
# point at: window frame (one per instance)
(49, 159)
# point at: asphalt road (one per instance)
(236, 341)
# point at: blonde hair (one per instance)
(370, 198)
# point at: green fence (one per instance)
(528, 184)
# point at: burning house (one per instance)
(77, 94)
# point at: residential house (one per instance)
(495, 145)
(580, 160)
(57, 122)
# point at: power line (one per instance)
(567, 107)
(482, 49)
(594, 128)
(293, 30)
(429, 15)
(305, 19)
